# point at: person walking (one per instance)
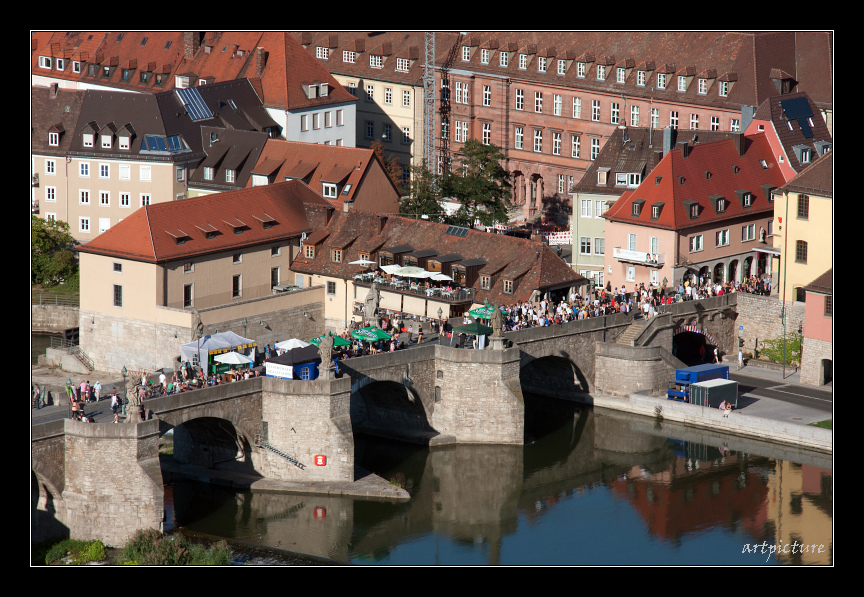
(97, 391)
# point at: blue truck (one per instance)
(679, 389)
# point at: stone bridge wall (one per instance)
(622, 370)
(108, 486)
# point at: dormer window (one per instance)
(76, 66)
(601, 72)
(541, 64)
(336, 255)
(562, 67)
(466, 53)
(523, 61)
(703, 86)
(721, 205)
(656, 209)
(661, 80)
(53, 139)
(60, 64)
(329, 190)
(580, 69)
(682, 83)
(309, 251)
(508, 286)
(106, 141)
(640, 78)
(637, 208)
(322, 52)
(44, 62)
(484, 56)
(230, 175)
(88, 140)
(403, 64)
(620, 75)
(376, 61)
(694, 211)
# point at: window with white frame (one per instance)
(631, 242)
(562, 67)
(230, 175)
(620, 75)
(523, 61)
(84, 170)
(105, 198)
(613, 113)
(682, 83)
(556, 144)
(735, 125)
(721, 238)
(562, 183)
(538, 102)
(600, 208)
(695, 243)
(388, 95)
(487, 133)
(406, 134)
(50, 167)
(370, 93)
(44, 62)
(457, 128)
(723, 88)
(484, 56)
(640, 78)
(144, 173)
(87, 140)
(145, 199)
(694, 122)
(406, 98)
(577, 107)
(634, 115)
(538, 140)
(595, 148)
(50, 217)
(655, 118)
(584, 245)
(631, 273)
(466, 53)
(83, 224)
(236, 286)
(328, 190)
(83, 197)
(601, 72)
(124, 172)
(703, 86)
(595, 110)
(348, 56)
(654, 245)
(106, 141)
(518, 141)
(376, 61)
(574, 146)
(503, 59)
(50, 193)
(54, 139)
(322, 52)
(328, 119)
(541, 64)
(340, 118)
(715, 123)
(125, 200)
(580, 69)
(520, 99)
(599, 246)
(585, 206)
(487, 95)
(507, 286)
(402, 65)
(661, 80)
(104, 171)
(673, 119)
(748, 232)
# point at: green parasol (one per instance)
(474, 328)
(370, 334)
(484, 312)
(337, 341)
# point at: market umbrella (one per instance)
(439, 276)
(361, 262)
(292, 343)
(411, 272)
(474, 328)
(484, 312)
(233, 358)
(337, 341)
(370, 334)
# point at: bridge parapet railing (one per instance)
(579, 326)
(706, 304)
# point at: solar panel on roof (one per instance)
(456, 231)
(194, 104)
(796, 107)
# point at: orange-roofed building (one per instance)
(224, 258)
(348, 177)
(705, 210)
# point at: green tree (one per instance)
(788, 351)
(482, 186)
(424, 197)
(390, 163)
(51, 258)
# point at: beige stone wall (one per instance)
(813, 352)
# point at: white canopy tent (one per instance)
(200, 349)
(291, 343)
(233, 358)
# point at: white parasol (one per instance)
(292, 343)
(233, 358)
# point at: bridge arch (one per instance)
(688, 339)
(554, 375)
(392, 405)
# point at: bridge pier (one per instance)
(96, 480)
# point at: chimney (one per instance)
(191, 43)
(739, 143)
(53, 88)
(260, 61)
(668, 139)
(685, 148)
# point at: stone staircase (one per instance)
(632, 332)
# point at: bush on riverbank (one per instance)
(152, 548)
(69, 552)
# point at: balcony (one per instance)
(639, 257)
(455, 295)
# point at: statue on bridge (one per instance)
(497, 322)
(372, 300)
(325, 350)
(135, 399)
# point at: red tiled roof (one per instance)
(150, 234)
(709, 171)
(530, 264)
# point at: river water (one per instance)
(590, 487)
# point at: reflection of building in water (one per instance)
(800, 498)
(729, 490)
